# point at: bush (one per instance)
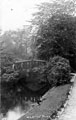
(58, 71)
(9, 77)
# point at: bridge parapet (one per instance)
(27, 64)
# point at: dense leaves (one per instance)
(47, 9)
(58, 71)
(55, 72)
(57, 37)
(54, 41)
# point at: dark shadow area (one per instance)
(17, 93)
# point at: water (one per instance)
(14, 114)
(30, 98)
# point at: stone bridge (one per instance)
(27, 64)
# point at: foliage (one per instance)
(12, 90)
(16, 43)
(47, 9)
(7, 59)
(6, 63)
(58, 71)
(14, 46)
(10, 76)
(57, 37)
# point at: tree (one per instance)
(58, 37)
(47, 9)
(16, 42)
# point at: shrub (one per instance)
(58, 70)
(10, 77)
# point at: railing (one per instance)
(27, 64)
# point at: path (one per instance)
(70, 111)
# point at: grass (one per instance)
(51, 102)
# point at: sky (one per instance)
(15, 13)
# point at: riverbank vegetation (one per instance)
(20, 85)
(53, 40)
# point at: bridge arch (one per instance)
(27, 64)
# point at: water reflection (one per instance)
(20, 95)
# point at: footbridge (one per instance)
(27, 64)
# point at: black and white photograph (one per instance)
(37, 59)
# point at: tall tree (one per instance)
(58, 37)
(47, 9)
